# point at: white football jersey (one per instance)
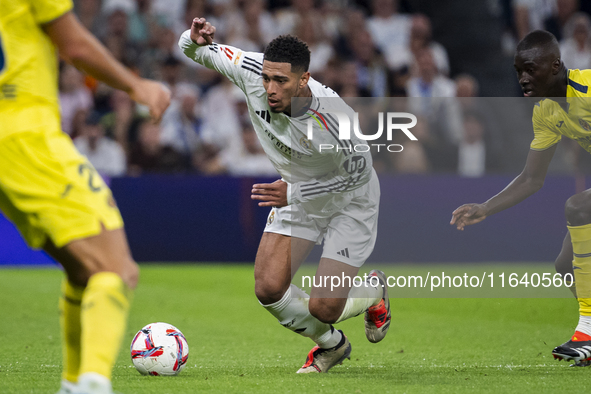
(322, 181)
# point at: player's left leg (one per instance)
(578, 216)
(101, 266)
(349, 241)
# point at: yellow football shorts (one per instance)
(48, 189)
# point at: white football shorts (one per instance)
(349, 235)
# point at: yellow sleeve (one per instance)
(545, 134)
(47, 10)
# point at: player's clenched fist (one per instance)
(152, 94)
(468, 214)
(202, 32)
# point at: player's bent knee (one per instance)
(578, 209)
(125, 267)
(78, 277)
(269, 291)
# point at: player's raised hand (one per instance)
(271, 194)
(468, 214)
(202, 31)
(152, 94)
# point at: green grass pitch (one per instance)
(434, 345)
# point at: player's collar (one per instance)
(314, 106)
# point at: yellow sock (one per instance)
(105, 306)
(70, 324)
(581, 239)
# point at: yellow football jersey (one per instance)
(28, 65)
(572, 119)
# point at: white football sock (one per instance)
(584, 325)
(360, 298)
(292, 312)
(67, 387)
(93, 383)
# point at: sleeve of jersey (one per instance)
(46, 11)
(354, 171)
(229, 61)
(545, 135)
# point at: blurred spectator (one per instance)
(348, 85)
(466, 86)
(472, 148)
(575, 49)
(182, 124)
(531, 15)
(106, 155)
(89, 13)
(551, 15)
(252, 160)
(421, 38)
(126, 5)
(251, 27)
(413, 159)
(119, 120)
(148, 155)
(354, 21)
(74, 96)
(403, 56)
(301, 11)
(116, 38)
(161, 53)
(565, 9)
(143, 23)
(321, 51)
(172, 13)
(387, 26)
(372, 73)
(224, 109)
(429, 82)
(433, 91)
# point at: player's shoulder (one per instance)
(543, 108)
(320, 90)
(250, 63)
(45, 11)
(579, 81)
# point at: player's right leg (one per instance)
(578, 216)
(285, 301)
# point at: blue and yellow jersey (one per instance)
(28, 65)
(573, 119)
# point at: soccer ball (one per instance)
(159, 349)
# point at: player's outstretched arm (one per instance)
(78, 46)
(527, 183)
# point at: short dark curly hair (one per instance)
(539, 38)
(289, 49)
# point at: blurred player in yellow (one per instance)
(563, 109)
(53, 195)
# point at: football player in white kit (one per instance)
(331, 195)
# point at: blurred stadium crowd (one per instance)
(411, 50)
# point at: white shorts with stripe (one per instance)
(349, 235)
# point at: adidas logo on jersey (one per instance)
(344, 252)
(265, 115)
